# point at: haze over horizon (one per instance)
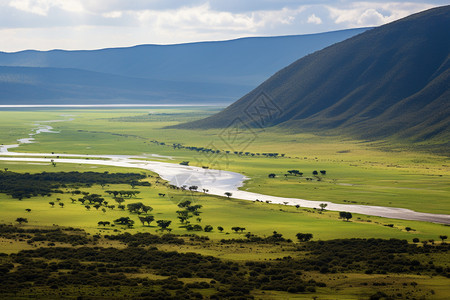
(86, 24)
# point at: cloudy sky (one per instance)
(93, 24)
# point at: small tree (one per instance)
(228, 194)
(297, 206)
(146, 208)
(220, 228)
(415, 240)
(61, 204)
(443, 237)
(52, 203)
(147, 219)
(348, 216)
(28, 209)
(272, 175)
(125, 221)
(208, 228)
(345, 215)
(322, 206)
(315, 173)
(22, 220)
(163, 224)
(197, 227)
(304, 237)
(236, 228)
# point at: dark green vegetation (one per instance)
(141, 270)
(26, 185)
(391, 81)
(209, 72)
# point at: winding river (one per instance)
(217, 182)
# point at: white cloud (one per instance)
(313, 19)
(361, 14)
(113, 14)
(78, 24)
(42, 7)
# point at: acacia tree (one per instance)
(163, 224)
(147, 219)
(220, 228)
(237, 228)
(443, 237)
(22, 220)
(345, 215)
(228, 194)
(124, 221)
(322, 206)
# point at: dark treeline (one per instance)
(52, 271)
(69, 235)
(26, 185)
(103, 265)
(370, 256)
(217, 151)
(145, 239)
(253, 238)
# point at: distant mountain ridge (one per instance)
(391, 81)
(219, 72)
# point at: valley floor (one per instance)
(356, 172)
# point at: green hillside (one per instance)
(391, 81)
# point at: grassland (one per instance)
(359, 172)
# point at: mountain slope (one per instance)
(233, 67)
(58, 86)
(393, 80)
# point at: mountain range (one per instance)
(390, 81)
(204, 72)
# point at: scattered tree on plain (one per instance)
(345, 215)
(147, 219)
(163, 224)
(22, 220)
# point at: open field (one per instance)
(259, 218)
(357, 172)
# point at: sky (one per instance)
(95, 24)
